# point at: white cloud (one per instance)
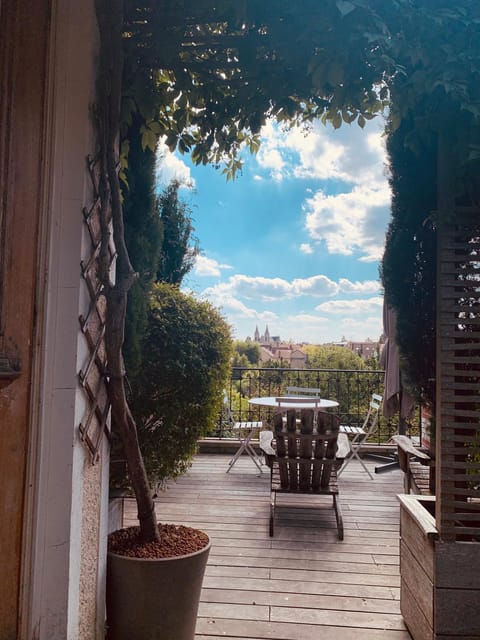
(235, 309)
(352, 307)
(306, 247)
(350, 222)
(259, 288)
(354, 220)
(349, 154)
(205, 266)
(171, 167)
(314, 286)
(367, 286)
(270, 289)
(271, 158)
(277, 289)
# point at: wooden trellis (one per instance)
(93, 375)
(458, 378)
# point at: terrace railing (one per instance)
(352, 389)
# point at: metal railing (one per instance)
(352, 389)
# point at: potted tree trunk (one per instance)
(153, 589)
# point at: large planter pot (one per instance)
(440, 581)
(154, 599)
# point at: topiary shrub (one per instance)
(177, 395)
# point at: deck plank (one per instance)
(303, 584)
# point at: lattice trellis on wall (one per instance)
(93, 375)
(458, 382)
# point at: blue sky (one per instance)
(295, 241)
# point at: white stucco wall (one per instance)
(66, 529)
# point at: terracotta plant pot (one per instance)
(154, 599)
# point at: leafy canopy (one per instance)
(218, 69)
(332, 357)
(206, 74)
(246, 353)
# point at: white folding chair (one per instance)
(245, 431)
(303, 391)
(360, 435)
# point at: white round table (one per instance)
(275, 402)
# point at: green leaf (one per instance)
(171, 140)
(336, 119)
(149, 139)
(361, 121)
(347, 116)
(155, 126)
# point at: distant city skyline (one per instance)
(295, 241)
(275, 337)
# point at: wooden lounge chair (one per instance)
(302, 458)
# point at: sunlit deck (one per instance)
(304, 584)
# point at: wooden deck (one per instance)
(304, 584)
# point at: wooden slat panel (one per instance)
(458, 371)
(418, 624)
(419, 583)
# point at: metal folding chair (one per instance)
(245, 432)
(303, 391)
(361, 434)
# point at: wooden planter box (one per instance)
(440, 582)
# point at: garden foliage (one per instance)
(177, 395)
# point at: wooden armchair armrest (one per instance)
(405, 444)
(265, 439)
(343, 446)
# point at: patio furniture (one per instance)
(245, 432)
(303, 391)
(415, 463)
(304, 459)
(361, 434)
(285, 403)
